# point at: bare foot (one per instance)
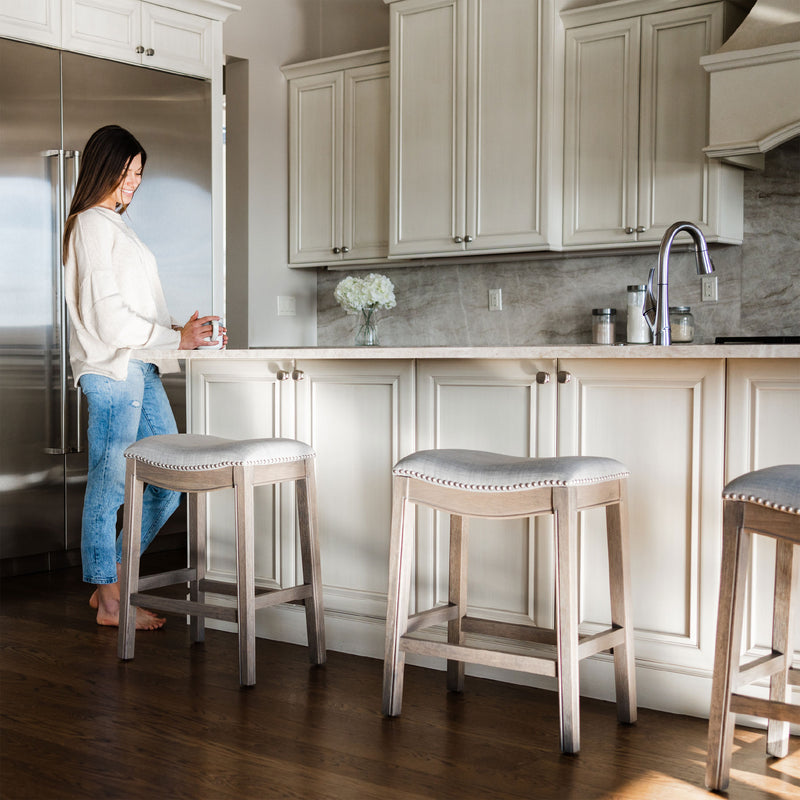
(105, 600)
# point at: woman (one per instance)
(116, 305)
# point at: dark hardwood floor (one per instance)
(173, 723)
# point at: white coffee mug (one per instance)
(215, 340)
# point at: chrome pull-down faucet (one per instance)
(656, 304)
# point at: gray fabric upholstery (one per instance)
(774, 487)
(196, 452)
(478, 471)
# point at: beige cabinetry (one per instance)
(664, 420)
(32, 20)
(139, 32)
(635, 124)
(174, 39)
(763, 430)
(467, 144)
(339, 159)
(358, 416)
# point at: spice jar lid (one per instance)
(679, 309)
(603, 311)
(637, 287)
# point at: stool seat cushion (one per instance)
(479, 471)
(774, 487)
(196, 452)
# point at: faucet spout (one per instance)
(656, 310)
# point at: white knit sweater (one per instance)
(114, 296)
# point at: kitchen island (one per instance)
(685, 419)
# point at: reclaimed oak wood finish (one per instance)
(741, 521)
(570, 646)
(135, 591)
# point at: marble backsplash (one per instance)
(548, 299)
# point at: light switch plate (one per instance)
(287, 306)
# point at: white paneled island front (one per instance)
(684, 419)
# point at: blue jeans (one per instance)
(120, 413)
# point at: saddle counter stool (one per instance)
(198, 464)
(765, 502)
(469, 483)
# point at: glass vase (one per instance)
(367, 331)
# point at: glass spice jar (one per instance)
(681, 324)
(603, 325)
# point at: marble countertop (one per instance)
(522, 352)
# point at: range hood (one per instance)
(755, 84)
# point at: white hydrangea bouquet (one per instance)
(363, 296)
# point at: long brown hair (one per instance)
(104, 162)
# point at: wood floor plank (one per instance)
(75, 722)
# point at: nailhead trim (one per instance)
(761, 502)
(220, 464)
(516, 487)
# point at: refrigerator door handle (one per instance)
(72, 397)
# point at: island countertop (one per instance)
(551, 351)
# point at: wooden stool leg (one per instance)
(312, 572)
(400, 552)
(786, 572)
(736, 545)
(566, 524)
(129, 573)
(197, 559)
(245, 578)
(459, 533)
(621, 615)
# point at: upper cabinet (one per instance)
(339, 159)
(635, 124)
(467, 146)
(139, 32)
(33, 20)
(180, 36)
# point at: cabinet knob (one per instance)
(345, 249)
(564, 377)
(298, 375)
(149, 52)
(542, 377)
(641, 229)
(457, 239)
(283, 375)
(140, 49)
(467, 238)
(337, 250)
(629, 230)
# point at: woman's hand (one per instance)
(197, 330)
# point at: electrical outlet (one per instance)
(708, 289)
(495, 299)
(287, 306)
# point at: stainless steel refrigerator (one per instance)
(50, 103)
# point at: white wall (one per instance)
(269, 34)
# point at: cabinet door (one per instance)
(428, 135)
(676, 180)
(176, 41)
(359, 418)
(601, 121)
(36, 21)
(504, 156)
(664, 420)
(244, 400)
(315, 168)
(107, 28)
(763, 430)
(500, 407)
(365, 212)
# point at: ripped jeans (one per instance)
(120, 413)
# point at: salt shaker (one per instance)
(638, 329)
(603, 325)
